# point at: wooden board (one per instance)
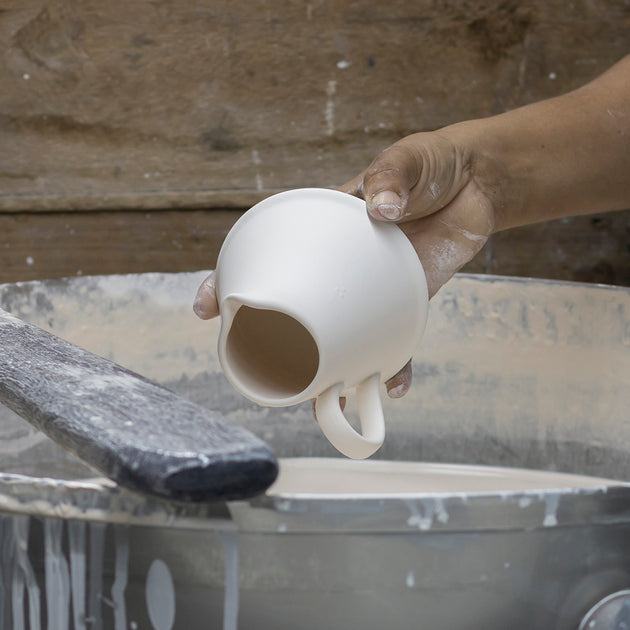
(52, 245)
(194, 108)
(110, 105)
(60, 244)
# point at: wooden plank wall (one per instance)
(132, 134)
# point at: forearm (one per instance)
(564, 156)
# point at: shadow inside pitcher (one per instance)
(270, 353)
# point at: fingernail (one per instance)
(388, 204)
(200, 309)
(397, 392)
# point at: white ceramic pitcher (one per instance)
(316, 300)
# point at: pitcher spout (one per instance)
(228, 308)
(268, 355)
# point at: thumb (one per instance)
(414, 178)
(388, 181)
(206, 305)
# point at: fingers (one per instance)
(205, 305)
(388, 181)
(399, 384)
(354, 187)
(413, 178)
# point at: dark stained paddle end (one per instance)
(135, 432)
(228, 478)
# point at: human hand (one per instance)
(450, 189)
(434, 186)
(429, 184)
(426, 183)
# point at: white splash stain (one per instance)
(329, 112)
(121, 577)
(551, 510)
(522, 67)
(283, 505)
(57, 575)
(343, 64)
(431, 509)
(440, 511)
(229, 543)
(160, 595)
(410, 580)
(422, 522)
(256, 161)
(24, 579)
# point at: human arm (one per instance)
(450, 189)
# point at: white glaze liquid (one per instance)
(159, 593)
(121, 569)
(22, 572)
(95, 584)
(343, 477)
(57, 577)
(76, 539)
(65, 578)
(229, 542)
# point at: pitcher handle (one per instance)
(339, 431)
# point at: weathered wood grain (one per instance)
(137, 433)
(111, 105)
(583, 249)
(53, 245)
(162, 105)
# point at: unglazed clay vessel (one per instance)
(317, 300)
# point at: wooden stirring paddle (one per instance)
(128, 428)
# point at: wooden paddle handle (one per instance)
(128, 428)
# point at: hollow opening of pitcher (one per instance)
(271, 353)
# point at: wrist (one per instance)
(560, 157)
(498, 166)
